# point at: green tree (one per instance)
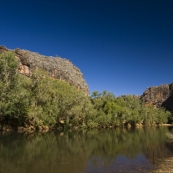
(13, 102)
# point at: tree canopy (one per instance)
(40, 101)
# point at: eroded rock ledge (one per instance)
(56, 67)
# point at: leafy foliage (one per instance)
(124, 110)
(39, 100)
(42, 101)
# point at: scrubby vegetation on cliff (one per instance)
(40, 102)
(56, 67)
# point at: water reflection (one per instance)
(120, 150)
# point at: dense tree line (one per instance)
(126, 110)
(40, 102)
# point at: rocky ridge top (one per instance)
(57, 67)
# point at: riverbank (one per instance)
(164, 166)
(167, 124)
(42, 128)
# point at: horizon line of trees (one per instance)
(40, 101)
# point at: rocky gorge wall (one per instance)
(57, 67)
(160, 96)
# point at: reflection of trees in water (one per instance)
(70, 151)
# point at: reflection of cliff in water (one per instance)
(72, 151)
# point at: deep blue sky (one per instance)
(122, 46)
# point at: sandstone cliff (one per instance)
(57, 67)
(160, 96)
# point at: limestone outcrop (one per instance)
(160, 96)
(57, 67)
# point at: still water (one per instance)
(97, 151)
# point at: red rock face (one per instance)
(57, 67)
(23, 69)
(159, 96)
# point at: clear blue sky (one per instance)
(122, 46)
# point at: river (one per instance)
(93, 151)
